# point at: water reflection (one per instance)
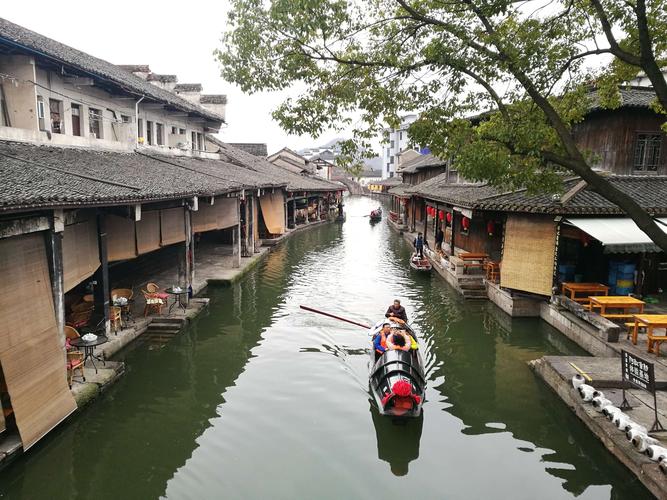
(397, 440)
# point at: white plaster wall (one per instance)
(20, 92)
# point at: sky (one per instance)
(172, 38)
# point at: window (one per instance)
(388, 167)
(400, 135)
(158, 134)
(76, 119)
(55, 109)
(125, 118)
(4, 113)
(173, 130)
(140, 128)
(41, 113)
(393, 143)
(194, 141)
(181, 131)
(391, 160)
(95, 122)
(149, 132)
(200, 144)
(647, 152)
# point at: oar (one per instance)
(317, 311)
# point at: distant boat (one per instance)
(376, 215)
(397, 380)
(420, 264)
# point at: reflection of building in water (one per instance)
(398, 441)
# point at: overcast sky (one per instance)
(173, 38)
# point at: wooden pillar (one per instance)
(250, 223)
(189, 249)
(236, 237)
(54, 244)
(294, 213)
(102, 284)
(453, 243)
(425, 231)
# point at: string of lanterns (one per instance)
(465, 221)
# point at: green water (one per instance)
(259, 400)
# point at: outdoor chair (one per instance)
(79, 319)
(74, 362)
(154, 288)
(116, 318)
(126, 293)
(154, 303)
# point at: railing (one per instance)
(393, 216)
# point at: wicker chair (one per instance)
(125, 293)
(116, 318)
(79, 319)
(154, 288)
(74, 362)
(154, 303)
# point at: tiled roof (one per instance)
(188, 87)
(135, 68)
(213, 99)
(154, 77)
(45, 176)
(295, 182)
(254, 148)
(34, 42)
(421, 162)
(401, 190)
(631, 97)
(649, 191)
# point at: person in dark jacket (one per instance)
(396, 310)
(419, 245)
(439, 238)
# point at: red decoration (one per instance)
(465, 223)
(441, 215)
(490, 227)
(401, 388)
(449, 217)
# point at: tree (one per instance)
(527, 63)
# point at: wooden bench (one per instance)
(618, 316)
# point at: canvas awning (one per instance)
(273, 211)
(618, 235)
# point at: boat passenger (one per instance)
(396, 310)
(399, 341)
(380, 340)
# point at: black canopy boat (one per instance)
(397, 380)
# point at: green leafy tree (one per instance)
(364, 62)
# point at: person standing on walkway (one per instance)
(439, 238)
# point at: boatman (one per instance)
(419, 245)
(396, 310)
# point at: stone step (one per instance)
(164, 327)
(475, 294)
(167, 319)
(472, 286)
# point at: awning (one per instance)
(618, 235)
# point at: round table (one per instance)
(178, 298)
(89, 349)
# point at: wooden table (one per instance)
(650, 321)
(473, 259)
(622, 302)
(584, 288)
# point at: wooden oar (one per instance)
(334, 316)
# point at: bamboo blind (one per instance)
(81, 255)
(31, 355)
(172, 226)
(528, 254)
(148, 232)
(273, 212)
(222, 214)
(121, 241)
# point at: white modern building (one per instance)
(395, 141)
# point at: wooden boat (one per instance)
(420, 264)
(397, 380)
(376, 215)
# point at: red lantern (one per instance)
(449, 217)
(490, 227)
(465, 223)
(441, 215)
(428, 210)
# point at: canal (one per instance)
(257, 399)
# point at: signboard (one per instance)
(638, 371)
